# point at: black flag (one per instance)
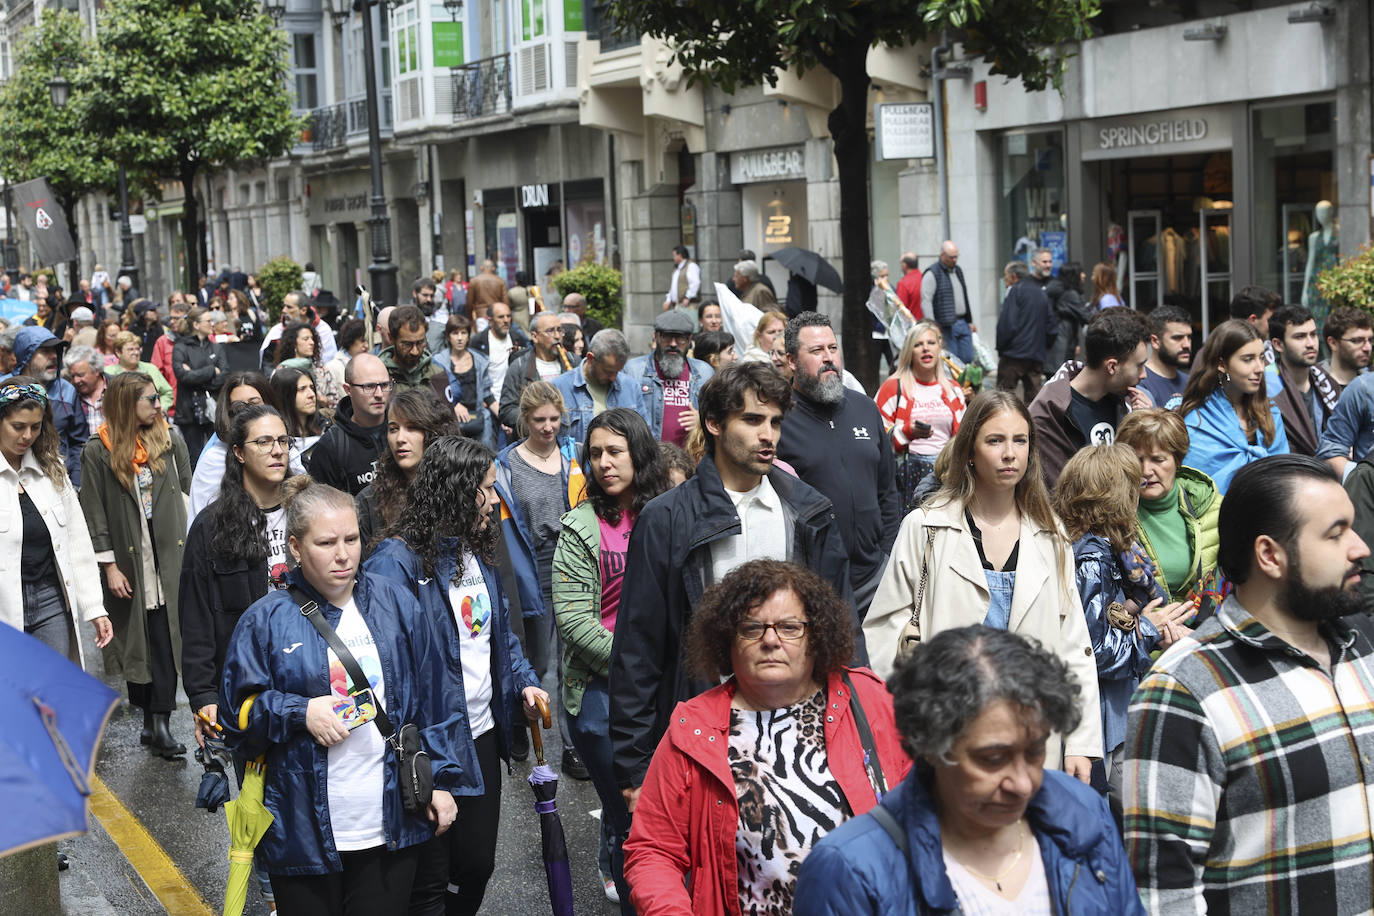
(42, 219)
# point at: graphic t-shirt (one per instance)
(356, 764)
(278, 561)
(1166, 392)
(472, 613)
(677, 397)
(615, 543)
(1095, 419)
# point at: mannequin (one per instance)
(1323, 250)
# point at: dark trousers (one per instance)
(196, 436)
(159, 695)
(1011, 370)
(591, 735)
(373, 881)
(464, 857)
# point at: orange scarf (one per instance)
(140, 453)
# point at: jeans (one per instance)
(591, 735)
(45, 615)
(959, 340)
(454, 868)
(372, 881)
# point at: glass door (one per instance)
(1214, 227)
(1146, 292)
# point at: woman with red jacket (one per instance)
(752, 772)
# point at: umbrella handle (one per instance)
(537, 737)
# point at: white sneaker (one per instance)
(612, 894)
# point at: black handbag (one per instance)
(415, 771)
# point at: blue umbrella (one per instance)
(52, 715)
(17, 310)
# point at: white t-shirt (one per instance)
(549, 369)
(278, 561)
(977, 899)
(498, 351)
(356, 769)
(763, 531)
(472, 613)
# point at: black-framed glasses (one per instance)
(371, 387)
(753, 630)
(150, 398)
(264, 443)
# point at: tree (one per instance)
(182, 87)
(727, 43)
(42, 141)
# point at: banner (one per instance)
(42, 219)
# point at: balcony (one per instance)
(482, 88)
(357, 114)
(328, 128)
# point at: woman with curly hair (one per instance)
(442, 550)
(752, 772)
(300, 406)
(299, 348)
(414, 419)
(588, 568)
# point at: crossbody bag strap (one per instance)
(925, 576)
(310, 609)
(889, 823)
(871, 761)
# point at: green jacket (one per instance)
(421, 374)
(577, 604)
(1199, 503)
(164, 391)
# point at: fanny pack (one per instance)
(415, 771)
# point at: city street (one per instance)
(116, 870)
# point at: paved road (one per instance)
(161, 796)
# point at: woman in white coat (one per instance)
(48, 575)
(986, 548)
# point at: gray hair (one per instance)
(748, 268)
(791, 335)
(948, 680)
(609, 342)
(1039, 251)
(1017, 269)
(876, 268)
(77, 355)
(7, 336)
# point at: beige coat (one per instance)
(1045, 603)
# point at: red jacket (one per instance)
(909, 292)
(162, 359)
(685, 822)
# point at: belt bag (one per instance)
(415, 772)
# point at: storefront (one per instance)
(772, 185)
(529, 227)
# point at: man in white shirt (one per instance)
(684, 290)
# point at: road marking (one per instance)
(149, 859)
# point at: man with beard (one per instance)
(1171, 353)
(38, 354)
(834, 438)
(1350, 340)
(669, 382)
(1304, 393)
(1246, 786)
(736, 508)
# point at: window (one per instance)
(305, 70)
(407, 39)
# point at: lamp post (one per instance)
(381, 272)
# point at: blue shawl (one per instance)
(1217, 444)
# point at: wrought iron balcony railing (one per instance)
(482, 88)
(328, 128)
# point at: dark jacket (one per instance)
(1303, 435)
(215, 591)
(1359, 485)
(844, 453)
(482, 342)
(346, 455)
(1026, 327)
(858, 870)
(1072, 314)
(1059, 437)
(300, 840)
(200, 367)
(943, 303)
(519, 373)
(668, 568)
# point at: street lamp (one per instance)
(454, 8)
(339, 12)
(381, 272)
(276, 9)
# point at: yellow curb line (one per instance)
(149, 859)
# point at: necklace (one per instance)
(544, 457)
(1015, 860)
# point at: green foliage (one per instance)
(278, 277)
(1351, 282)
(42, 141)
(600, 285)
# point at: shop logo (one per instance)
(1152, 134)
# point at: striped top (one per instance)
(1249, 772)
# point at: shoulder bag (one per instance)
(911, 630)
(416, 774)
(872, 764)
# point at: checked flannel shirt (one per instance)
(1249, 773)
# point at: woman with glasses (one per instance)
(414, 419)
(200, 367)
(751, 773)
(128, 348)
(136, 475)
(298, 401)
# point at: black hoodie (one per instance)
(346, 455)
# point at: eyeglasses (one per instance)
(753, 630)
(150, 398)
(264, 443)
(411, 346)
(1358, 341)
(371, 387)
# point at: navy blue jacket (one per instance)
(1027, 326)
(858, 869)
(510, 672)
(276, 653)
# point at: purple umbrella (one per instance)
(544, 782)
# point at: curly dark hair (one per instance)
(441, 503)
(418, 407)
(711, 632)
(651, 477)
(238, 527)
(286, 345)
(952, 677)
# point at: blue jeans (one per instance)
(45, 615)
(959, 340)
(591, 736)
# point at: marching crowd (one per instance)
(942, 649)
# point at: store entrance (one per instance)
(1169, 232)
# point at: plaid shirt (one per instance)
(1248, 781)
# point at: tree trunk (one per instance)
(849, 130)
(195, 265)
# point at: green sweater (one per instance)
(577, 604)
(1168, 531)
(1198, 504)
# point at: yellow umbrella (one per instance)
(248, 820)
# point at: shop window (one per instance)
(1033, 214)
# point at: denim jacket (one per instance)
(577, 400)
(645, 374)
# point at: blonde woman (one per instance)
(770, 327)
(921, 408)
(987, 548)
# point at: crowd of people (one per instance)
(1096, 646)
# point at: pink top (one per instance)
(615, 542)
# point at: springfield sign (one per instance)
(784, 163)
(1187, 130)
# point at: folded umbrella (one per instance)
(248, 821)
(810, 265)
(214, 783)
(52, 716)
(544, 782)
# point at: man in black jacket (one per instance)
(834, 438)
(1025, 330)
(737, 508)
(346, 455)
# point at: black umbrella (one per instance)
(810, 265)
(544, 781)
(214, 784)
